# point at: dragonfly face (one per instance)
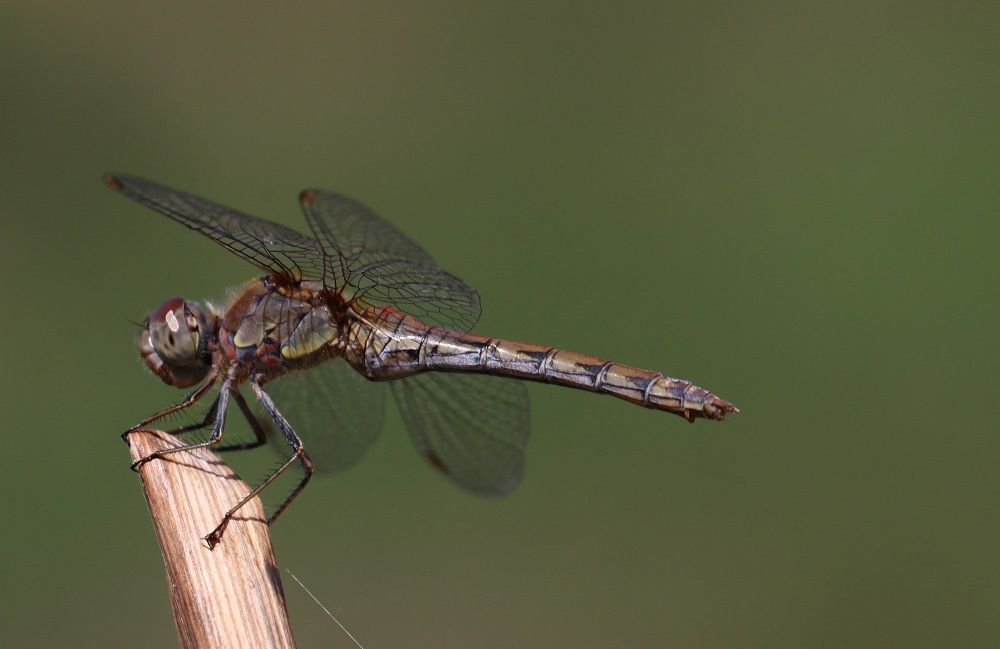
(364, 292)
(174, 343)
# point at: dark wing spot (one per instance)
(435, 461)
(307, 197)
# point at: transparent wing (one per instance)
(337, 412)
(272, 247)
(379, 264)
(471, 427)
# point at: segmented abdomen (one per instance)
(402, 345)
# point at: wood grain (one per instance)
(230, 596)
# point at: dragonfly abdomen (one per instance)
(402, 345)
(638, 386)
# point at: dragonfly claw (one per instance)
(215, 536)
(138, 463)
(127, 435)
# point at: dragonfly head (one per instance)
(173, 343)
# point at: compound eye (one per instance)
(159, 314)
(173, 333)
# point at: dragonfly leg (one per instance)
(187, 402)
(217, 428)
(298, 455)
(205, 423)
(260, 436)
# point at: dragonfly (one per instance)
(362, 291)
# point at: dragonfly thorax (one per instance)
(173, 342)
(270, 329)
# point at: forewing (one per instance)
(370, 259)
(337, 412)
(270, 246)
(473, 428)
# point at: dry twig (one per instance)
(227, 597)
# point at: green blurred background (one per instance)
(792, 204)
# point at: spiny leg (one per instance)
(217, 428)
(187, 402)
(298, 454)
(298, 450)
(205, 423)
(260, 436)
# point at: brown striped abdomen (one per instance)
(401, 345)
